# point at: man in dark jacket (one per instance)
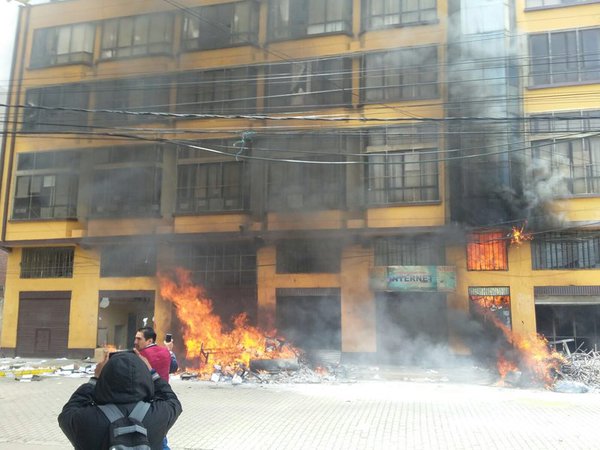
(124, 379)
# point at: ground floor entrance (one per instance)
(43, 324)
(120, 314)
(412, 327)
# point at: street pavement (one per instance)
(383, 412)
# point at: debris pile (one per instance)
(582, 367)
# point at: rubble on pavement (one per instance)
(27, 370)
(581, 368)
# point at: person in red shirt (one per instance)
(158, 356)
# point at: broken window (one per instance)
(387, 13)
(218, 26)
(565, 56)
(63, 45)
(128, 260)
(569, 250)
(304, 256)
(491, 304)
(291, 19)
(309, 84)
(46, 185)
(217, 91)
(117, 169)
(47, 262)
(51, 118)
(406, 74)
(210, 185)
(487, 251)
(137, 36)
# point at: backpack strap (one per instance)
(139, 412)
(111, 412)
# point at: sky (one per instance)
(8, 22)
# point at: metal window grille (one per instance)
(216, 265)
(403, 251)
(47, 262)
(578, 250)
(487, 251)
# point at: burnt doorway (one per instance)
(310, 318)
(409, 326)
(43, 324)
(572, 326)
(120, 314)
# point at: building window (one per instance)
(140, 95)
(70, 44)
(303, 256)
(309, 84)
(46, 185)
(218, 26)
(150, 34)
(574, 250)
(128, 260)
(564, 57)
(209, 186)
(559, 122)
(491, 304)
(289, 19)
(42, 111)
(384, 13)
(421, 250)
(555, 3)
(217, 91)
(487, 251)
(220, 265)
(47, 262)
(127, 182)
(406, 74)
(575, 161)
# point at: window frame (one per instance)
(249, 36)
(544, 67)
(52, 262)
(216, 183)
(46, 43)
(298, 22)
(369, 5)
(399, 82)
(65, 166)
(111, 48)
(549, 249)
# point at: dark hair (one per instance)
(148, 333)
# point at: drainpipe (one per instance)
(26, 11)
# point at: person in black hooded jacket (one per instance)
(124, 379)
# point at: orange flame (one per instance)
(518, 235)
(206, 339)
(534, 354)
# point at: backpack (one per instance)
(127, 433)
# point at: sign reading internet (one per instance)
(413, 278)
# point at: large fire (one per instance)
(207, 340)
(528, 353)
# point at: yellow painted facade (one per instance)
(354, 228)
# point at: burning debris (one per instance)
(208, 342)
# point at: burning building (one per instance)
(362, 176)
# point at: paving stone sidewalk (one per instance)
(427, 415)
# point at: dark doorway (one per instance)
(577, 325)
(409, 326)
(310, 322)
(43, 327)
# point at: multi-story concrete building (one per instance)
(348, 171)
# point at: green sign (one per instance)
(414, 278)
